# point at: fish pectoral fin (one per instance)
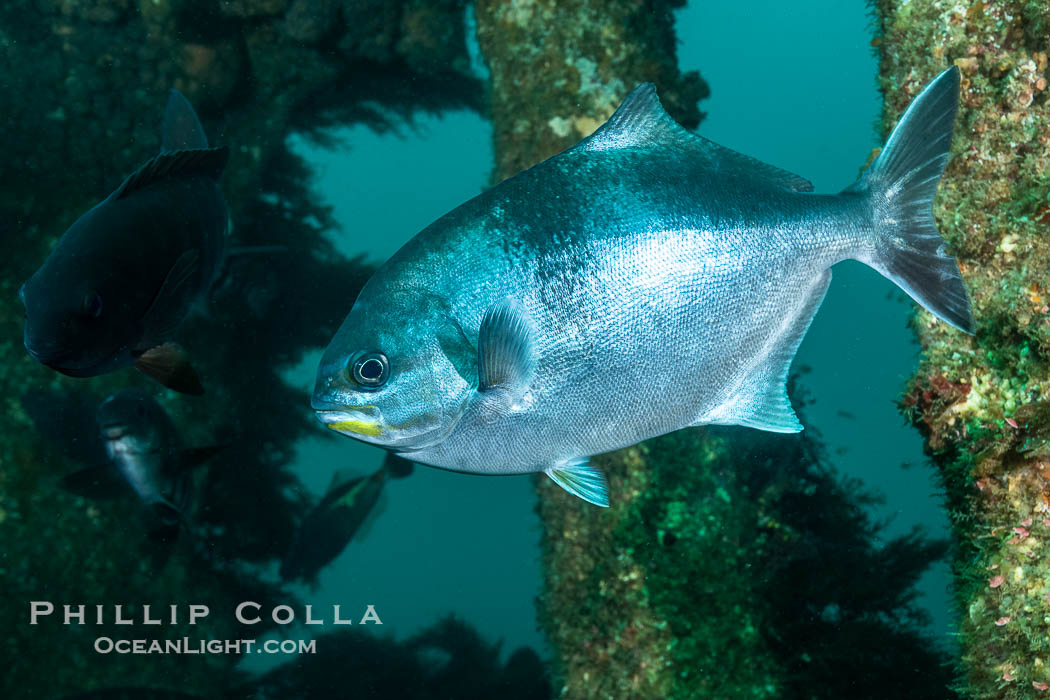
(169, 365)
(762, 401)
(581, 479)
(172, 300)
(506, 351)
(99, 482)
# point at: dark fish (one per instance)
(328, 528)
(123, 277)
(140, 453)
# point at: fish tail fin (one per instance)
(901, 184)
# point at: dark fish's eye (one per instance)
(370, 370)
(93, 305)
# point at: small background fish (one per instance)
(327, 529)
(131, 448)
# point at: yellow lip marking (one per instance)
(360, 427)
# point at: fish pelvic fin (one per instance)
(579, 478)
(169, 365)
(901, 185)
(762, 402)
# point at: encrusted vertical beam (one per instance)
(559, 69)
(982, 401)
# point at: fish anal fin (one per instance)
(208, 162)
(641, 121)
(762, 402)
(169, 365)
(770, 411)
(579, 478)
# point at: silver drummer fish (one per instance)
(643, 281)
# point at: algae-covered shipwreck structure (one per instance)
(709, 576)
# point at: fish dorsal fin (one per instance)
(342, 488)
(762, 401)
(641, 121)
(181, 129)
(208, 162)
(339, 477)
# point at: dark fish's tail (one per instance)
(902, 183)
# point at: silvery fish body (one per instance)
(142, 443)
(643, 281)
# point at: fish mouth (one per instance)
(79, 372)
(48, 358)
(365, 423)
(62, 362)
(361, 422)
(113, 431)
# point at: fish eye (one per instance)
(370, 370)
(92, 305)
